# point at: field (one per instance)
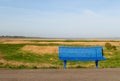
(29, 53)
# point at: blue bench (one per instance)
(81, 54)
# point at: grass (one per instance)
(73, 40)
(113, 62)
(12, 53)
(10, 48)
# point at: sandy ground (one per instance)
(60, 75)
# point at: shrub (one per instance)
(108, 45)
(114, 48)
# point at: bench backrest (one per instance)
(80, 51)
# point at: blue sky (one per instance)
(60, 18)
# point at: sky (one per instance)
(60, 18)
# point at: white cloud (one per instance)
(89, 12)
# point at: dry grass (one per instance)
(15, 63)
(81, 65)
(16, 42)
(20, 41)
(41, 49)
(109, 54)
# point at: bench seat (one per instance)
(82, 58)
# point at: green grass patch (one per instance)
(10, 48)
(113, 62)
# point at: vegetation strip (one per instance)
(13, 56)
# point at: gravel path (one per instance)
(60, 75)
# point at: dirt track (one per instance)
(60, 75)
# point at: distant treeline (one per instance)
(12, 36)
(7, 36)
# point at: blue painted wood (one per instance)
(81, 54)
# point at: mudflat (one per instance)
(107, 74)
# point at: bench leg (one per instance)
(96, 63)
(65, 62)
